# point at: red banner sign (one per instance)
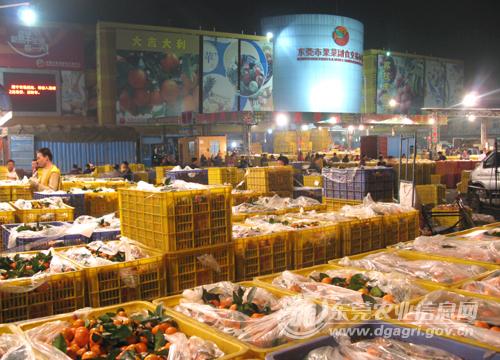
(41, 47)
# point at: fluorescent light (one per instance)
(281, 120)
(5, 117)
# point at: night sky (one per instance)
(466, 30)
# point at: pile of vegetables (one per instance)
(33, 227)
(20, 266)
(140, 336)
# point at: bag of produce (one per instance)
(489, 286)
(14, 347)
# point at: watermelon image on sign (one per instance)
(341, 35)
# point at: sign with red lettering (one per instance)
(41, 47)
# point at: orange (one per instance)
(81, 336)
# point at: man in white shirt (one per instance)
(11, 170)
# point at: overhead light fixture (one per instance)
(470, 99)
(269, 36)
(333, 120)
(431, 121)
(27, 15)
(393, 103)
(281, 120)
(387, 53)
(304, 127)
(269, 131)
(234, 144)
(350, 128)
(471, 117)
(361, 127)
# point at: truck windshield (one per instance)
(490, 161)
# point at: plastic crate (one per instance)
(185, 270)
(66, 213)
(5, 193)
(137, 167)
(435, 179)
(76, 201)
(222, 175)
(177, 220)
(270, 179)
(355, 184)
(98, 204)
(264, 254)
(430, 194)
(59, 294)
(372, 329)
(401, 227)
(101, 169)
(245, 196)
(20, 192)
(310, 192)
(6, 217)
(362, 235)
(313, 181)
(231, 348)
(448, 218)
(39, 243)
(337, 204)
(160, 173)
(316, 246)
(105, 235)
(199, 176)
(142, 279)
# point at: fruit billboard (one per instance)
(454, 83)
(435, 83)
(157, 75)
(402, 79)
(256, 76)
(220, 75)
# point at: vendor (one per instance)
(48, 176)
(125, 171)
(11, 170)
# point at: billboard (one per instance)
(157, 75)
(51, 47)
(400, 78)
(435, 83)
(73, 93)
(454, 83)
(256, 76)
(318, 62)
(220, 75)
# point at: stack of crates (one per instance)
(160, 173)
(355, 184)
(276, 179)
(15, 192)
(285, 142)
(431, 194)
(463, 185)
(191, 227)
(317, 245)
(223, 175)
(6, 217)
(401, 227)
(362, 235)
(436, 179)
(320, 139)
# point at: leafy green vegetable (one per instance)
(376, 292)
(251, 294)
(323, 276)
(59, 343)
(160, 340)
(369, 299)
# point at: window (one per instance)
(490, 161)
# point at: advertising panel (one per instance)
(157, 75)
(454, 83)
(220, 75)
(73, 93)
(435, 83)
(41, 47)
(318, 63)
(256, 76)
(402, 79)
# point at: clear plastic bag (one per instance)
(480, 321)
(14, 347)
(193, 348)
(489, 286)
(432, 270)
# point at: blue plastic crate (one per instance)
(40, 243)
(199, 176)
(74, 200)
(464, 351)
(105, 235)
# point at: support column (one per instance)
(484, 133)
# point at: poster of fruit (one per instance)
(220, 75)
(454, 83)
(73, 93)
(400, 78)
(256, 76)
(157, 76)
(435, 83)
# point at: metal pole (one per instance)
(484, 133)
(413, 177)
(400, 166)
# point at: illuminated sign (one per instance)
(32, 92)
(327, 54)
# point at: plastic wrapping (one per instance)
(46, 203)
(338, 286)
(481, 321)
(370, 208)
(465, 248)
(5, 206)
(273, 203)
(106, 222)
(46, 234)
(13, 347)
(379, 348)
(180, 346)
(489, 286)
(57, 265)
(253, 314)
(432, 270)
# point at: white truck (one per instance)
(485, 181)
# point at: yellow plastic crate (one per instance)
(103, 169)
(137, 167)
(68, 185)
(431, 194)
(435, 179)
(460, 289)
(362, 235)
(5, 193)
(447, 221)
(270, 179)
(177, 220)
(6, 217)
(401, 227)
(141, 176)
(232, 349)
(313, 181)
(256, 352)
(316, 246)
(222, 175)
(59, 293)
(246, 196)
(101, 203)
(21, 192)
(66, 213)
(337, 204)
(160, 173)
(142, 279)
(264, 254)
(185, 270)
